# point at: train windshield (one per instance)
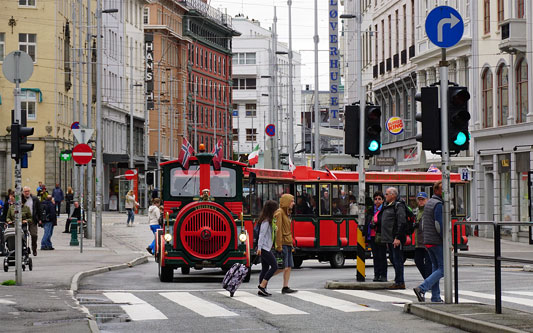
(186, 183)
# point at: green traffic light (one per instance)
(460, 139)
(373, 146)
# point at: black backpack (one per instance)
(45, 217)
(410, 219)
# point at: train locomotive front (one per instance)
(203, 230)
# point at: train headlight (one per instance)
(242, 237)
(168, 237)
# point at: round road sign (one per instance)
(82, 153)
(75, 125)
(17, 66)
(130, 174)
(270, 130)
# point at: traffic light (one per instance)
(430, 119)
(372, 130)
(149, 178)
(351, 129)
(19, 145)
(458, 117)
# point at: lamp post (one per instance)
(291, 120)
(317, 111)
(99, 156)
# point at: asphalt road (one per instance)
(134, 300)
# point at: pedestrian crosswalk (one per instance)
(141, 305)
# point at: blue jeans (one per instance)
(48, 231)
(432, 282)
(154, 228)
(131, 215)
(396, 257)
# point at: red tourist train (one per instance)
(211, 212)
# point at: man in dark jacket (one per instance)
(393, 222)
(432, 228)
(76, 213)
(58, 196)
(35, 206)
(49, 220)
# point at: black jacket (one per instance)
(393, 222)
(50, 210)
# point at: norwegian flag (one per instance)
(217, 159)
(185, 154)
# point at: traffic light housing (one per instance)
(458, 118)
(372, 130)
(351, 129)
(19, 145)
(430, 119)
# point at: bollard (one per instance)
(361, 248)
(74, 232)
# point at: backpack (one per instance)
(45, 217)
(410, 219)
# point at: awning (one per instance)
(35, 90)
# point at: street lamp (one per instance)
(99, 156)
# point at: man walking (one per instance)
(284, 238)
(422, 260)
(34, 205)
(432, 228)
(393, 223)
(58, 196)
(49, 221)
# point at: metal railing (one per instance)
(497, 257)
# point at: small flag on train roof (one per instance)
(186, 152)
(292, 167)
(217, 159)
(253, 158)
(433, 168)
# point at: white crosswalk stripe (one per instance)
(516, 300)
(521, 293)
(263, 303)
(397, 301)
(136, 308)
(198, 305)
(428, 296)
(330, 302)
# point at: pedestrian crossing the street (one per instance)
(218, 304)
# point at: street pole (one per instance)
(75, 174)
(99, 156)
(18, 182)
(214, 93)
(291, 120)
(159, 132)
(195, 115)
(146, 130)
(447, 244)
(80, 99)
(317, 111)
(89, 123)
(171, 113)
(274, 110)
(131, 113)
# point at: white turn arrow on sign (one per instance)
(452, 21)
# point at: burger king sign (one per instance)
(395, 125)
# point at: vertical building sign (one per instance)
(149, 61)
(334, 69)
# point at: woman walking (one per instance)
(372, 232)
(130, 207)
(269, 265)
(153, 218)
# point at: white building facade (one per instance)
(254, 97)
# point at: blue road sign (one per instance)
(75, 125)
(444, 26)
(270, 130)
(235, 113)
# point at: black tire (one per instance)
(248, 275)
(298, 261)
(185, 270)
(166, 274)
(337, 260)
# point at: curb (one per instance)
(461, 322)
(358, 285)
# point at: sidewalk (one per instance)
(45, 299)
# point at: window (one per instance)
(28, 103)
(243, 58)
(404, 27)
(503, 95)
(520, 8)
(235, 110)
(27, 3)
(487, 98)
(486, 16)
(501, 11)
(146, 15)
(235, 134)
(251, 134)
(521, 91)
(245, 84)
(2, 46)
(251, 110)
(28, 44)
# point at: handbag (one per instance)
(279, 259)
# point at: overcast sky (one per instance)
(302, 29)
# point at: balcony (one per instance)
(395, 60)
(513, 35)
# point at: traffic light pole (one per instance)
(447, 241)
(18, 190)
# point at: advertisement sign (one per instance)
(395, 125)
(334, 66)
(149, 79)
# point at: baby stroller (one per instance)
(9, 246)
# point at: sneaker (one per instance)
(263, 291)
(287, 290)
(149, 250)
(398, 286)
(419, 294)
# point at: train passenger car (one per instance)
(204, 208)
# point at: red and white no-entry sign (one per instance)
(82, 153)
(130, 174)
